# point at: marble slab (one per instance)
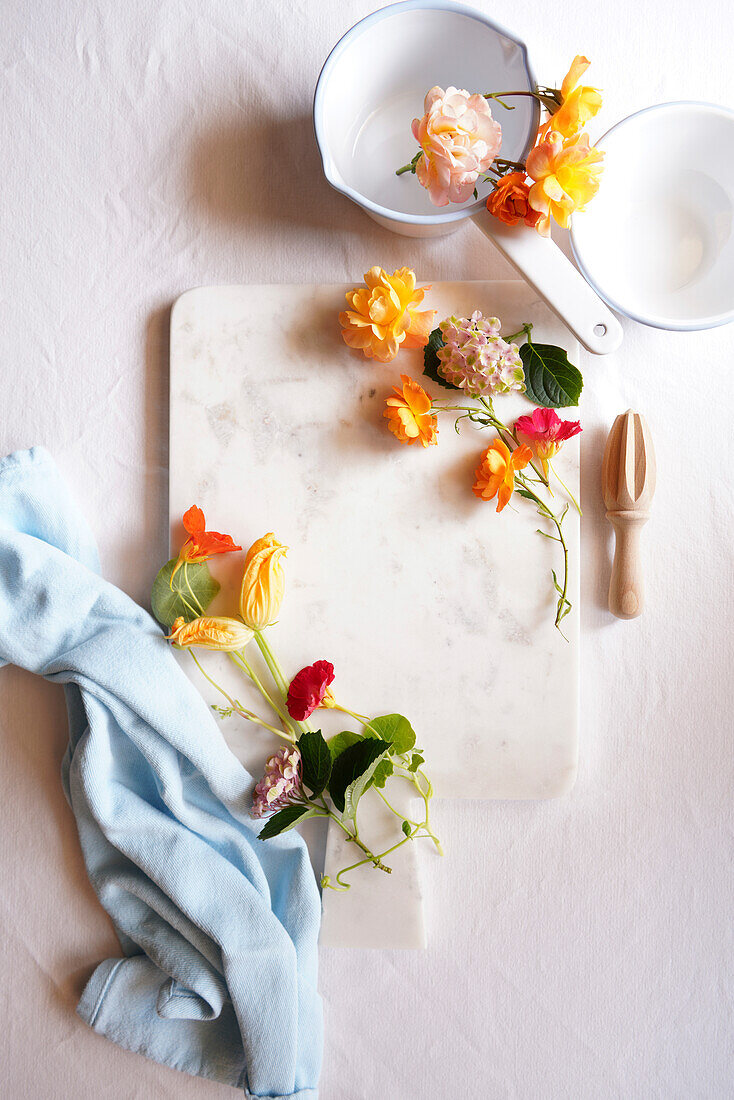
(426, 600)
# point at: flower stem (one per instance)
(563, 604)
(278, 675)
(235, 706)
(566, 489)
(239, 659)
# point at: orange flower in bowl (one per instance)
(495, 473)
(509, 201)
(384, 315)
(409, 414)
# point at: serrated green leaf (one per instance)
(353, 763)
(285, 819)
(396, 729)
(527, 495)
(550, 379)
(406, 828)
(431, 360)
(356, 789)
(315, 761)
(341, 741)
(188, 593)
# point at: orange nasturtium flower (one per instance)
(409, 414)
(566, 175)
(384, 315)
(580, 103)
(211, 633)
(495, 473)
(202, 544)
(263, 582)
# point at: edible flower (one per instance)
(263, 582)
(383, 316)
(409, 414)
(210, 632)
(459, 139)
(547, 431)
(509, 201)
(202, 544)
(579, 103)
(566, 174)
(282, 780)
(495, 473)
(309, 689)
(476, 359)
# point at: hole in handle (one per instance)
(600, 330)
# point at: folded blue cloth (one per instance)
(218, 929)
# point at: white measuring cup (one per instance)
(371, 87)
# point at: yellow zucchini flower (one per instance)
(263, 583)
(210, 632)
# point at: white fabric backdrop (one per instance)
(579, 948)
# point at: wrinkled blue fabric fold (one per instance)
(218, 930)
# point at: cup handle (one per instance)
(547, 270)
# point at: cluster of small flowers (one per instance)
(281, 780)
(476, 358)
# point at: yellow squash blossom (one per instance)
(210, 632)
(263, 582)
(409, 414)
(579, 102)
(384, 315)
(566, 175)
(495, 473)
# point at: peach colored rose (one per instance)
(459, 139)
(509, 201)
(384, 316)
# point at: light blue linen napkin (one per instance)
(218, 929)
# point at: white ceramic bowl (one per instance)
(371, 86)
(656, 243)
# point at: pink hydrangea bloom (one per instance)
(459, 139)
(476, 358)
(547, 430)
(281, 781)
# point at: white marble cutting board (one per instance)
(426, 601)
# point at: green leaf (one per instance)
(315, 761)
(382, 772)
(187, 594)
(397, 730)
(415, 762)
(550, 379)
(356, 789)
(526, 494)
(431, 361)
(284, 820)
(341, 741)
(406, 828)
(352, 764)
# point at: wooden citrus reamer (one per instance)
(628, 485)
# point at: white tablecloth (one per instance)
(578, 948)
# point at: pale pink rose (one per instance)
(459, 139)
